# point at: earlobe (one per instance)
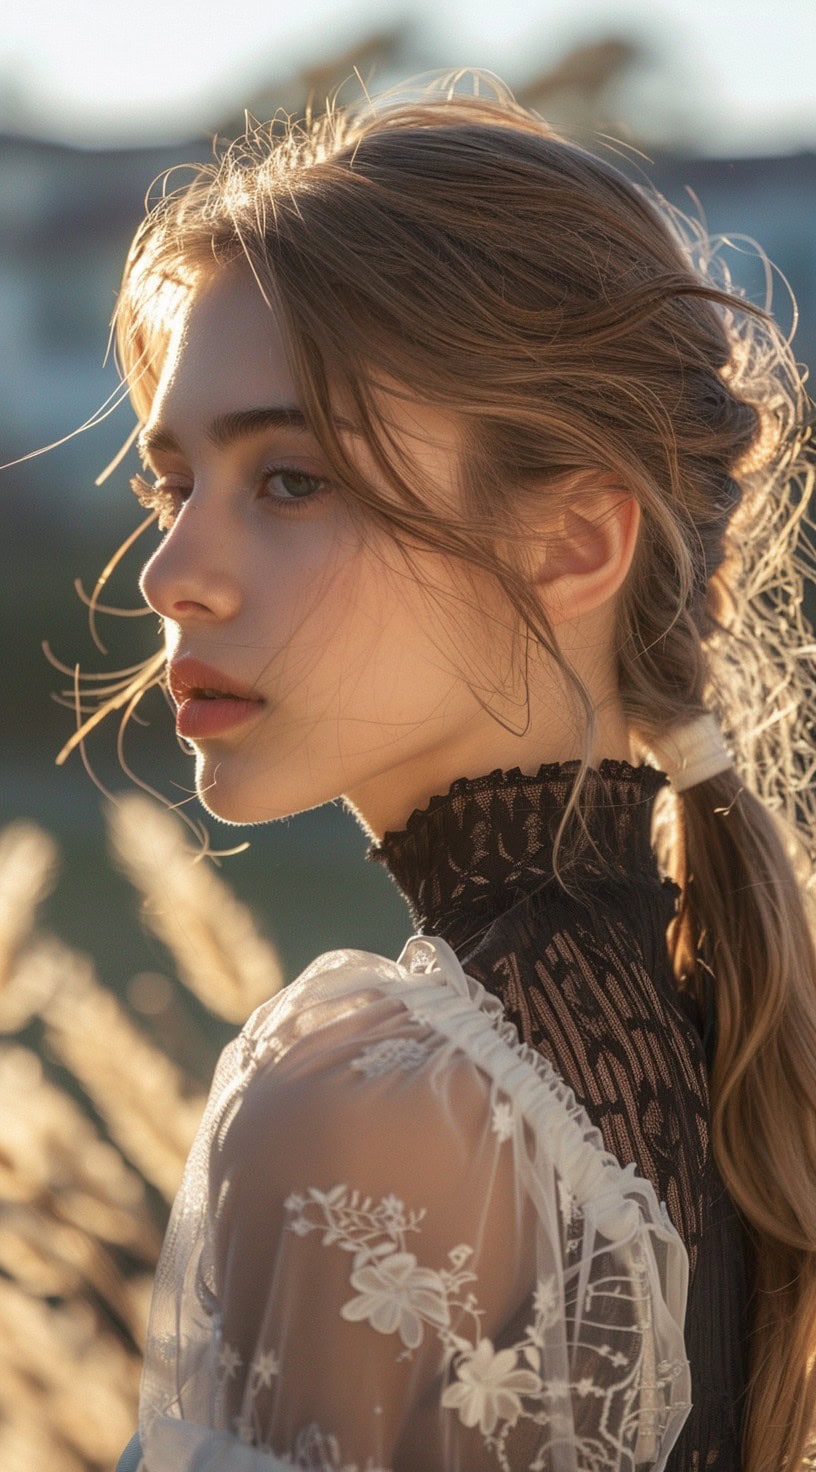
(586, 561)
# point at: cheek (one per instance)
(355, 633)
(319, 618)
(394, 644)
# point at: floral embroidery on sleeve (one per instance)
(487, 1387)
(263, 1368)
(391, 1053)
(395, 1294)
(315, 1450)
(502, 1121)
(229, 1362)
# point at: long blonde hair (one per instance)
(578, 325)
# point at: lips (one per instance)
(209, 702)
(190, 679)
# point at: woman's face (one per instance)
(355, 669)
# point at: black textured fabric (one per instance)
(588, 982)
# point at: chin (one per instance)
(235, 806)
(240, 802)
(223, 797)
(225, 810)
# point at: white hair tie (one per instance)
(691, 752)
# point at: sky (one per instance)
(739, 74)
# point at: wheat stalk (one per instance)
(67, 1387)
(220, 954)
(80, 1230)
(28, 865)
(143, 1097)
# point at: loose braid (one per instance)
(742, 941)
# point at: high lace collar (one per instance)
(488, 841)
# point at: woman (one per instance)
(484, 509)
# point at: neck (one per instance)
(384, 802)
(487, 844)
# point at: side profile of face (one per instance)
(356, 669)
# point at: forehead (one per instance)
(227, 354)
(226, 351)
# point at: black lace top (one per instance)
(587, 981)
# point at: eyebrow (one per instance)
(225, 429)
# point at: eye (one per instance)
(298, 486)
(164, 496)
(167, 496)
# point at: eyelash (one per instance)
(163, 498)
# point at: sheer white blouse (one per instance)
(400, 1245)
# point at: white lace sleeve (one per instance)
(400, 1244)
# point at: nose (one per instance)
(188, 578)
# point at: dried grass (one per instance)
(218, 951)
(28, 866)
(95, 1126)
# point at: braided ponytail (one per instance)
(742, 942)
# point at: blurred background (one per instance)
(123, 968)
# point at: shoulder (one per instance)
(369, 1102)
(349, 1066)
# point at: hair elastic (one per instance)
(692, 752)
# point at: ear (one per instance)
(587, 556)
